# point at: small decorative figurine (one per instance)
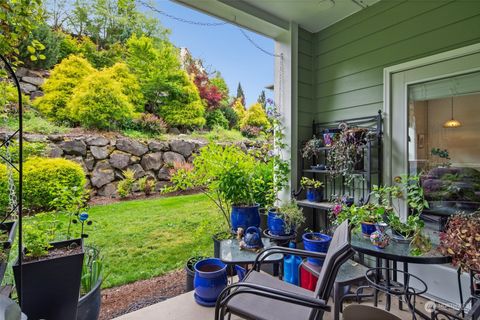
(379, 238)
(252, 240)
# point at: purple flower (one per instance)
(270, 101)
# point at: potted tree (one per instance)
(314, 189)
(285, 219)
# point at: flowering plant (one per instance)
(461, 240)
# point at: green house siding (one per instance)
(347, 59)
(306, 102)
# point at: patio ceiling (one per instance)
(271, 17)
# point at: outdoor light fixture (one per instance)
(452, 123)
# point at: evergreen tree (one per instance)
(240, 94)
(262, 99)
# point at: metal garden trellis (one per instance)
(15, 194)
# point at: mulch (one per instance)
(108, 200)
(130, 297)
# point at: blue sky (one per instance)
(222, 48)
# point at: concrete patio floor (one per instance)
(183, 307)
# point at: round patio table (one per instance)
(399, 251)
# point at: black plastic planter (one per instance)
(89, 305)
(50, 288)
(10, 228)
(191, 272)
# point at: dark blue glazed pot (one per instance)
(316, 242)
(368, 228)
(314, 195)
(245, 217)
(210, 279)
(276, 225)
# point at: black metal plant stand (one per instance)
(15, 193)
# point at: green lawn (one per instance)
(141, 239)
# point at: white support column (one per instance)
(286, 96)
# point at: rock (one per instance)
(80, 161)
(134, 159)
(74, 147)
(152, 161)
(90, 162)
(164, 174)
(98, 141)
(119, 159)
(172, 157)
(160, 185)
(21, 72)
(174, 131)
(36, 94)
(55, 137)
(36, 73)
(151, 174)
(108, 190)
(27, 87)
(102, 174)
(156, 146)
(35, 138)
(185, 148)
(36, 81)
(132, 146)
(55, 152)
(190, 159)
(137, 168)
(99, 152)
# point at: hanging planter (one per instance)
(50, 285)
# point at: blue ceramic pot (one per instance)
(314, 195)
(276, 225)
(367, 228)
(209, 281)
(245, 217)
(316, 242)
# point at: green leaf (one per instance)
(31, 49)
(33, 58)
(42, 57)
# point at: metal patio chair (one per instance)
(261, 296)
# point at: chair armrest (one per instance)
(282, 250)
(256, 289)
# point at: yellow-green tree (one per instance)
(99, 102)
(256, 116)
(130, 87)
(239, 109)
(59, 88)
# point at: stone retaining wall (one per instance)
(104, 158)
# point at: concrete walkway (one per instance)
(183, 307)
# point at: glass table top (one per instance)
(230, 252)
(400, 251)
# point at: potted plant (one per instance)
(314, 189)
(312, 148)
(461, 241)
(316, 242)
(285, 219)
(50, 272)
(189, 269)
(346, 154)
(88, 307)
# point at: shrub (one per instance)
(148, 122)
(130, 86)
(4, 193)
(216, 119)
(45, 179)
(99, 103)
(59, 88)
(185, 109)
(68, 45)
(231, 116)
(256, 117)
(250, 131)
(50, 40)
(125, 187)
(239, 109)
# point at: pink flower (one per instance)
(336, 209)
